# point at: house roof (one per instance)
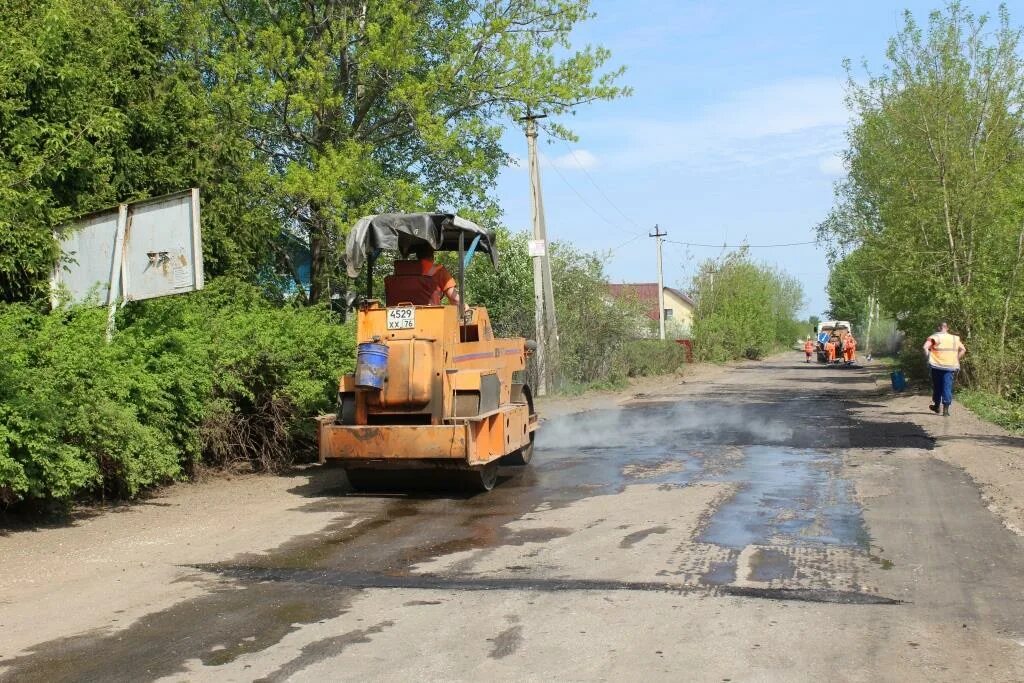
(646, 293)
(685, 297)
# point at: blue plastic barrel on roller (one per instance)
(371, 365)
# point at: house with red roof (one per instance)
(679, 307)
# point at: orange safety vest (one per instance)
(808, 346)
(944, 352)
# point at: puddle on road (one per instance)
(771, 565)
(720, 573)
(788, 496)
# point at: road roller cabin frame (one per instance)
(444, 396)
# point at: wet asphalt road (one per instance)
(756, 527)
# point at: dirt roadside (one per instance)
(989, 455)
(110, 565)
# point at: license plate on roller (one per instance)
(403, 318)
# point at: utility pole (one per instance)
(543, 292)
(658, 234)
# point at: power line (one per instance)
(788, 244)
(602, 216)
(627, 242)
(633, 222)
(598, 213)
(581, 197)
(595, 211)
(598, 187)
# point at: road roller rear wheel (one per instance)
(521, 457)
(480, 479)
(524, 455)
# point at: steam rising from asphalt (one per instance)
(683, 423)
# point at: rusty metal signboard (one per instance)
(132, 252)
(87, 260)
(162, 250)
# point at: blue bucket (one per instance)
(899, 381)
(371, 365)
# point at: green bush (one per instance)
(648, 357)
(73, 410)
(221, 376)
(744, 309)
(595, 330)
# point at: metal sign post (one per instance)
(115, 291)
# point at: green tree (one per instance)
(99, 104)
(933, 201)
(358, 107)
(848, 293)
(744, 309)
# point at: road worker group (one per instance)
(835, 348)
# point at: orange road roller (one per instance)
(434, 393)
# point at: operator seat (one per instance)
(409, 286)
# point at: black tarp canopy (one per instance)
(402, 231)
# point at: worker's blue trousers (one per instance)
(942, 386)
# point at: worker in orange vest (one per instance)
(830, 350)
(808, 349)
(850, 349)
(944, 351)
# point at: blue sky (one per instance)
(732, 132)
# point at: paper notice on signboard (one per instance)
(182, 277)
(538, 248)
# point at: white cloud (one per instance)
(573, 160)
(781, 121)
(776, 109)
(832, 165)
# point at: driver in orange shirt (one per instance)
(444, 283)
